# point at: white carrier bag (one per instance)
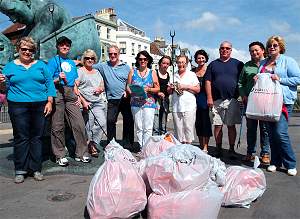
(265, 99)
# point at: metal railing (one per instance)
(4, 117)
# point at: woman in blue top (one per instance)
(286, 70)
(30, 91)
(143, 104)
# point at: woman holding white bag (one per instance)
(286, 70)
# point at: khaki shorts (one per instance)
(225, 112)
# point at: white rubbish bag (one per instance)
(265, 99)
(116, 190)
(192, 204)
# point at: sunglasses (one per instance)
(143, 59)
(112, 53)
(273, 45)
(225, 48)
(89, 58)
(27, 49)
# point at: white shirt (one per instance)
(187, 101)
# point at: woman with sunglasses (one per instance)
(143, 107)
(91, 91)
(30, 91)
(285, 70)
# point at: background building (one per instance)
(131, 40)
(106, 23)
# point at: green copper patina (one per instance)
(45, 21)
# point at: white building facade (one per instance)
(106, 24)
(131, 40)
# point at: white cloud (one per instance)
(280, 26)
(213, 53)
(211, 22)
(233, 21)
(207, 21)
(293, 37)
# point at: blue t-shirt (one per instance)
(28, 85)
(224, 78)
(115, 78)
(67, 65)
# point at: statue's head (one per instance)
(18, 10)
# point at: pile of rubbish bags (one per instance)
(172, 180)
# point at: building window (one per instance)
(132, 49)
(122, 47)
(108, 33)
(98, 27)
(145, 47)
(139, 48)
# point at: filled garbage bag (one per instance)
(243, 186)
(180, 168)
(192, 204)
(155, 145)
(265, 99)
(116, 190)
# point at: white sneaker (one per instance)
(271, 168)
(62, 161)
(84, 159)
(292, 172)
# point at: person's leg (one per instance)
(58, 127)
(112, 116)
(20, 119)
(286, 151)
(76, 123)
(138, 124)
(37, 119)
(156, 121)
(274, 144)
(264, 143)
(231, 136)
(97, 129)
(128, 123)
(251, 135)
(189, 125)
(148, 117)
(264, 138)
(178, 126)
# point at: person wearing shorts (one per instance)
(221, 84)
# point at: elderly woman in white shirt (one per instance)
(183, 90)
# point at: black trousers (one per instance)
(114, 107)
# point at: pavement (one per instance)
(63, 192)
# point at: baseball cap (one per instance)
(63, 39)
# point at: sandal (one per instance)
(93, 149)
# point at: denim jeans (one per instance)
(281, 149)
(28, 122)
(252, 136)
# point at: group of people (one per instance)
(89, 99)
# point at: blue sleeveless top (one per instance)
(146, 81)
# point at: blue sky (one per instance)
(204, 24)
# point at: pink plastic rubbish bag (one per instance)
(265, 99)
(178, 169)
(243, 186)
(192, 204)
(116, 190)
(155, 145)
